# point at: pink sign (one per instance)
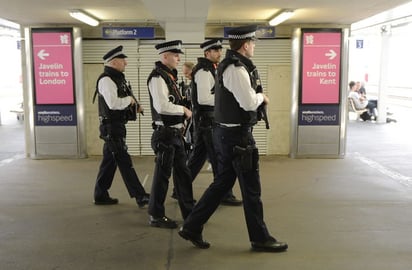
(321, 67)
(53, 67)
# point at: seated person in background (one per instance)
(362, 102)
(372, 103)
(361, 88)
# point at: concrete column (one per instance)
(383, 73)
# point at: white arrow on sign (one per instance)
(42, 54)
(331, 54)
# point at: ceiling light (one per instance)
(84, 17)
(281, 17)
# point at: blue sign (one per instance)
(359, 44)
(261, 32)
(128, 32)
(63, 115)
(318, 115)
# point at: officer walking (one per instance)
(236, 103)
(203, 100)
(117, 106)
(168, 115)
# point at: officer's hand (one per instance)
(140, 108)
(188, 113)
(132, 101)
(265, 99)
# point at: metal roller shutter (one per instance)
(141, 58)
(93, 51)
(268, 53)
(147, 57)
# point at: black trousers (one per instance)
(115, 155)
(203, 150)
(225, 139)
(168, 145)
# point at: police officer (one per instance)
(117, 106)
(236, 103)
(168, 115)
(203, 100)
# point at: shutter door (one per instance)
(93, 51)
(268, 53)
(147, 57)
(141, 58)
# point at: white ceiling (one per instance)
(37, 12)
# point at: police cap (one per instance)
(114, 53)
(213, 44)
(170, 46)
(242, 32)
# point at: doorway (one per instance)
(11, 97)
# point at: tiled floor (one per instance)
(336, 214)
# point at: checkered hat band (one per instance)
(169, 48)
(244, 36)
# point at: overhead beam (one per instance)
(181, 19)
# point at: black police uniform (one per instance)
(113, 132)
(203, 119)
(168, 145)
(237, 158)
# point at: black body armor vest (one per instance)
(227, 109)
(123, 90)
(207, 65)
(174, 96)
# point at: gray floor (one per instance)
(351, 213)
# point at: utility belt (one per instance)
(236, 127)
(106, 120)
(112, 131)
(245, 153)
(109, 138)
(172, 131)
